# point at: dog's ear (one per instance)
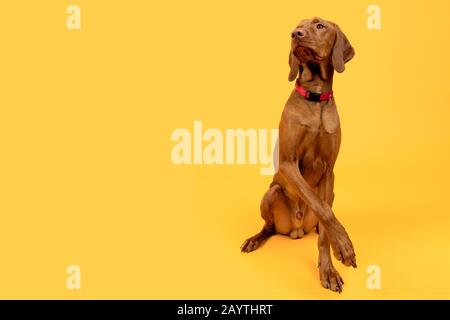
(294, 64)
(342, 51)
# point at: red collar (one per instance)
(313, 96)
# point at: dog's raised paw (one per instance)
(343, 249)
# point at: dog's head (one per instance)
(320, 41)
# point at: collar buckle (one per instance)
(313, 96)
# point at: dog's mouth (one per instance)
(303, 52)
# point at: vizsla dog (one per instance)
(301, 194)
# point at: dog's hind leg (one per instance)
(272, 199)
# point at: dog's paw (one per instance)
(251, 243)
(330, 278)
(343, 247)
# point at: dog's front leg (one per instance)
(296, 187)
(329, 276)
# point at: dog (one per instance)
(301, 194)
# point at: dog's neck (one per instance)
(316, 76)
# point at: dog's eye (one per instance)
(320, 26)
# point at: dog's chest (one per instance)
(320, 118)
(318, 146)
(317, 154)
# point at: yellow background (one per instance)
(85, 170)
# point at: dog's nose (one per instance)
(298, 33)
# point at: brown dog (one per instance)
(301, 194)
